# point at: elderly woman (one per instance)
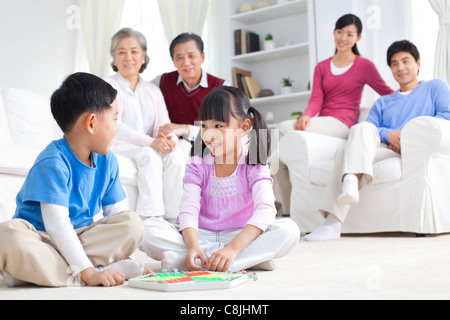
(142, 111)
(185, 88)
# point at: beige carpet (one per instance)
(355, 267)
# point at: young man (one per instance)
(380, 136)
(72, 180)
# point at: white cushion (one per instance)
(17, 160)
(30, 120)
(386, 171)
(127, 171)
(5, 137)
(364, 114)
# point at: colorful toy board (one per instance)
(189, 281)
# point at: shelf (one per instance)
(291, 22)
(273, 12)
(274, 54)
(281, 99)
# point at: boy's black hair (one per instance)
(80, 93)
(402, 46)
(225, 102)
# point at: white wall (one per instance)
(218, 48)
(384, 22)
(37, 48)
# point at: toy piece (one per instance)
(190, 281)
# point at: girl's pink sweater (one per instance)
(340, 96)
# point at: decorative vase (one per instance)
(287, 90)
(269, 45)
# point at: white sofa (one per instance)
(26, 128)
(410, 194)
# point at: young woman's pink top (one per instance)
(340, 96)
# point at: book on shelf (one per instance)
(243, 79)
(237, 77)
(246, 41)
(252, 87)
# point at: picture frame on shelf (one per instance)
(238, 74)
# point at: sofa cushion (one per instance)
(127, 171)
(364, 114)
(386, 171)
(30, 120)
(5, 137)
(17, 160)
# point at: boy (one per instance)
(53, 231)
(380, 136)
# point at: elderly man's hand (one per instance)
(177, 129)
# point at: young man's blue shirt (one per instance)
(393, 112)
(58, 177)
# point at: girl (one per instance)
(227, 214)
(335, 101)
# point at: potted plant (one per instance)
(287, 87)
(296, 114)
(269, 43)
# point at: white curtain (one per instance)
(442, 62)
(180, 16)
(100, 20)
(217, 59)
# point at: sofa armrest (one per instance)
(299, 149)
(17, 159)
(423, 139)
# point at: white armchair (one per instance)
(410, 194)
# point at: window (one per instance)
(425, 28)
(144, 16)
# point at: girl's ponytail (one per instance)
(259, 139)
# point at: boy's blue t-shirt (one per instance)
(393, 112)
(58, 177)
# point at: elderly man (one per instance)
(185, 88)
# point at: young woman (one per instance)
(338, 84)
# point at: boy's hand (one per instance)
(107, 278)
(221, 260)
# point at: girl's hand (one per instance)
(192, 255)
(302, 123)
(221, 260)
